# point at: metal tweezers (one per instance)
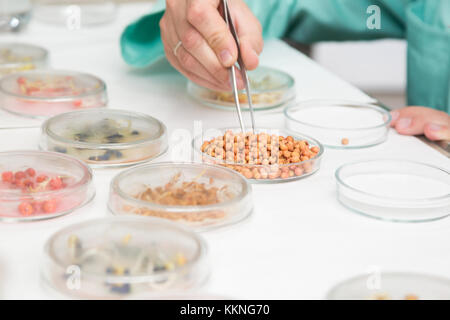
(225, 11)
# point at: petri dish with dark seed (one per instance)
(104, 137)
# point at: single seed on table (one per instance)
(345, 141)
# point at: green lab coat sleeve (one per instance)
(425, 24)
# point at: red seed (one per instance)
(41, 178)
(19, 175)
(19, 183)
(49, 206)
(7, 176)
(56, 183)
(31, 172)
(28, 183)
(21, 80)
(26, 209)
(77, 103)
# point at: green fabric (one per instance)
(425, 24)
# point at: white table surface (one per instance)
(299, 241)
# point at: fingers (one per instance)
(436, 132)
(184, 62)
(206, 19)
(421, 120)
(192, 76)
(196, 46)
(208, 48)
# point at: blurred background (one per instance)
(376, 67)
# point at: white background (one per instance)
(299, 241)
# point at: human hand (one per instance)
(421, 120)
(207, 46)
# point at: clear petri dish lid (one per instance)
(200, 196)
(339, 124)
(18, 57)
(251, 154)
(270, 89)
(44, 93)
(395, 190)
(38, 185)
(75, 14)
(392, 286)
(105, 137)
(114, 258)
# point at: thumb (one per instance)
(205, 17)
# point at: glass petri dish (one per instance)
(14, 15)
(392, 286)
(19, 57)
(214, 146)
(270, 89)
(395, 190)
(339, 124)
(104, 137)
(45, 93)
(197, 195)
(38, 185)
(75, 14)
(115, 258)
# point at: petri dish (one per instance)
(339, 124)
(75, 14)
(298, 156)
(270, 89)
(200, 196)
(115, 258)
(45, 93)
(104, 137)
(38, 185)
(395, 190)
(19, 57)
(14, 15)
(392, 286)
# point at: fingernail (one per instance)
(404, 123)
(394, 115)
(435, 127)
(226, 57)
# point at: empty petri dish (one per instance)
(339, 124)
(297, 156)
(395, 190)
(14, 15)
(104, 137)
(38, 185)
(115, 258)
(198, 195)
(392, 286)
(270, 88)
(18, 57)
(74, 14)
(44, 93)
